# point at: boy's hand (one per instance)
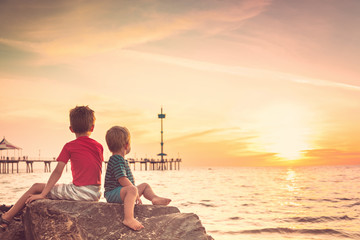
(33, 198)
(138, 200)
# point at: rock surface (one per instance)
(49, 219)
(15, 231)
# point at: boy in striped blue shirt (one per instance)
(119, 182)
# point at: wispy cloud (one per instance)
(73, 28)
(332, 156)
(195, 135)
(324, 83)
(205, 133)
(330, 152)
(246, 71)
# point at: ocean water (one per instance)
(247, 203)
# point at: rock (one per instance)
(15, 231)
(60, 219)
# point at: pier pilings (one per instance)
(147, 164)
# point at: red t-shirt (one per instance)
(86, 157)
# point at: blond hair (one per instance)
(117, 138)
(82, 118)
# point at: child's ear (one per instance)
(92, 128)
(128, 148)
(71, 129)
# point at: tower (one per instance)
(162, 154)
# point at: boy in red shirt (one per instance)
(86, 157)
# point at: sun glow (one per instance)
(284, 131)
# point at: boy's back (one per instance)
(86, 157)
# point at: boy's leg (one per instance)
(20, 204)
(146, 190)
(128, 195)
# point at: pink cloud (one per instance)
(83, 29)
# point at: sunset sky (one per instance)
(242, 82)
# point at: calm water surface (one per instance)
(248, 203)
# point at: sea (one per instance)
(302, 203)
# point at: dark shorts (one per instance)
(113, 196)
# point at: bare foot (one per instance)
(133, 224)
(160, 201)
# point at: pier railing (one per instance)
(154, 164)
(5, 165)
(147, 164)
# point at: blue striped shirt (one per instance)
(117, 167)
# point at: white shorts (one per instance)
(76, 193)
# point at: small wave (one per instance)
(348, 199)
(353, 205)
(297, 231)
(327, 231)
(188, 204)
(335, 200)
(201, 203)
(328, 200)
(207, 205)
(319, 219)
(235, 218)
(248, 204)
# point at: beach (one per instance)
(247, 203)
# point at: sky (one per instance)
(242, 82)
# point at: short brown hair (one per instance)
(82, 118)
(117, 137)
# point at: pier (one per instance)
(12, 166)
(6, 165)
(47, 165)
(148, 164)
(153, 165)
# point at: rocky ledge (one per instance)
(53, 219)
(16, 229)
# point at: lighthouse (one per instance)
(162, 154)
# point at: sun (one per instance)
(285, 131)
(288, 142)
